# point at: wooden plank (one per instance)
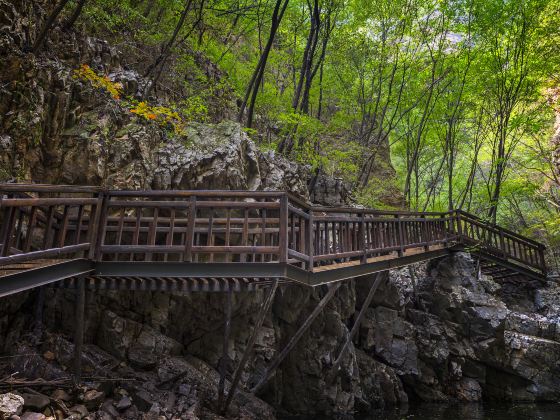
(189, 236)
(390, 256)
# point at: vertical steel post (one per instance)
(79, 327)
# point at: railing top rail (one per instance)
(347, 209)
(26, 188)
(500, 228)
(196, 193)
(376, 212)
(68, 189)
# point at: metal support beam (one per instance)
(79, 328)
(372, 290)
(279, 358)
(32, 278)
(225, 356)
(248, 350)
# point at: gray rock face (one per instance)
(140, 344)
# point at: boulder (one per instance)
(10, 404)
(35, 402)
(92, 399)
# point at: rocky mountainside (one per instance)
(435, 332)
(432, 333)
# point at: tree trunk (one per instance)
(77, 11)
(256, 79)
(48, 24)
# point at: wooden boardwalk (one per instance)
(229, 236)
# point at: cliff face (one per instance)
(435, 332)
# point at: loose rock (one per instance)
(10, 404)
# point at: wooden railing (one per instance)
(39, 221)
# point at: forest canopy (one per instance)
(463, 93)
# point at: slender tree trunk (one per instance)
(320, 107)
(307, 53)
(148, 8)
(256, 79)
(160, 60)
(77, 11)
(48, 24)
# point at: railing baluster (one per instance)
(63, 228)
(263, 233)
(245, 234)
(169, 239)
(362, 237)
(310, 241)
(136, 234)
(79, 221)
(210, 234)
(283, 229)
(120, 230)
(30, 229)
(228, 233)
(8, 226)
(399, 236)
(189, 236)
(97, 227)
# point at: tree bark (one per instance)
(48, 24)
(256, 79)
(77, 11)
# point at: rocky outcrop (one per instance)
(10, 405)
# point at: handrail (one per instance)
(493, 225)
(232, 226)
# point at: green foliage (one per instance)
(176, 118)
(455, 95)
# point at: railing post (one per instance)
(400, 236)
(189, 236)
(310, 239)
(7, 227)
(283, 231)
(503, 244)
(542, 259)
(445, 230)
(362, 239)
(425, 239)
(96, 227)
(459, 231)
